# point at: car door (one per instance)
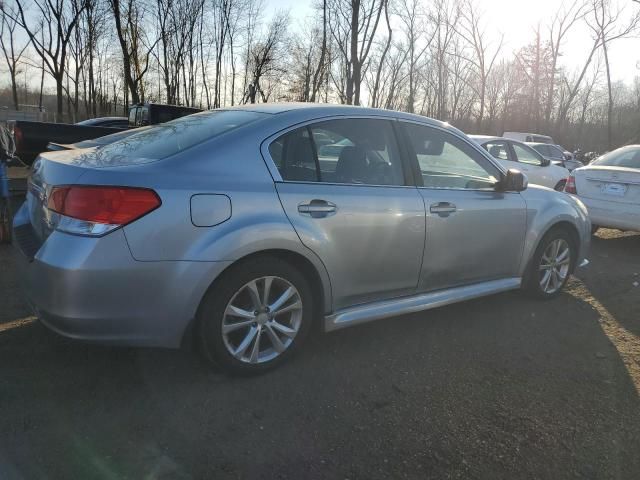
(344, 188)
(474, 232)
(533, 165)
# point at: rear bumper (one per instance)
(92, 289)
(611, 214)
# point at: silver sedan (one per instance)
(239, 228)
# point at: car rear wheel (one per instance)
(551, 265)
(255, 316)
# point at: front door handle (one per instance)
(317, 208)
(442, 207)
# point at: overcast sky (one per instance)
(517, 20)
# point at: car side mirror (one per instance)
(513, 181)
(546, 162)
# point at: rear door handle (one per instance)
(317, 208)
(442, 207)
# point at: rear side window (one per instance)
(352, 151)
(162, 141)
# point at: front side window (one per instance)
(555, 153)
(352, 151)
(448, 162)
(499, 150)
(527, 154)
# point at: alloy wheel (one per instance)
(554, 266)
(262, 319)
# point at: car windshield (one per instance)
(167, 139)
(628, 157)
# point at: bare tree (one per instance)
(12, 52)
(353, 25)
(610, 22)
(564, 19)
(57, 20)
(471, 29)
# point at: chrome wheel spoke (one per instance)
(288, 331)
(244, 345)
(254, 294)
(267, 289)
(294, 306)
(278, 346)
(232, 327)
(564, 256)
(255, 351)
(234, 311)
(282, 299)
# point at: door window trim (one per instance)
(277, 177)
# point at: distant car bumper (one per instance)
(92, 289)
(610, 214)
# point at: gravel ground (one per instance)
(501, 387)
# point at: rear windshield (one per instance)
(107, 139)
(162, 141)
(623, 157)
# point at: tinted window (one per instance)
(448, 162)
(555, 152)
(623, 157)
(354, 151)
(527, 154)
(162, 141)
(294, 155)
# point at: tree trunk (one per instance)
(610, 102)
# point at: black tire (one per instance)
(212, 308)
(533, 275)
(560, 186)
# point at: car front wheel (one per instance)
(551, 265)
(255, 316)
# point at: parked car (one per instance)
(610, 188)
(153, 113)
(227, 225)
(116, 122)
(32, 138)
(96, 142)
(556, 155)
(528, 137)
(515, 154)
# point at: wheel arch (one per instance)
(316, 274)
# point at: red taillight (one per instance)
(570, 186)
(106, 205)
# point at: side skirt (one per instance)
(424, 301)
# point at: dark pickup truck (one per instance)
(32, 138)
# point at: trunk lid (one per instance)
(615, 184)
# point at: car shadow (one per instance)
(504, 386)
(615, 281)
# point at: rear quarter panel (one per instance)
(231, 167)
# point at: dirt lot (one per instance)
(503, 387)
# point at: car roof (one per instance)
(327, 109)
(486, 138)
